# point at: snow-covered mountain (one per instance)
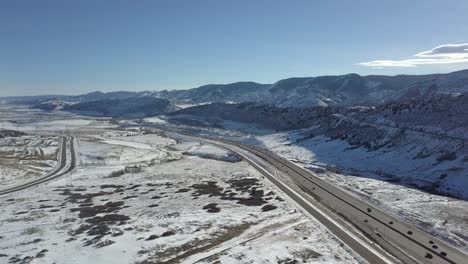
(455, 82)
(350, 89)
(340, 90)
(234, 92)
(95, 96)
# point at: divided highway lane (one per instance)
(67, 144)
(402, 240)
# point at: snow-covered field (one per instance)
(154, 120)
(138, 196)
(147, 198)
(22, 118)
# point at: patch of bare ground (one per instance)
(300, 256)
(100, 221)
(174, 255)
(249, 188)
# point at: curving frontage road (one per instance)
(67, 153)
(375, 235)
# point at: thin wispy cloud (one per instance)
(444, 54)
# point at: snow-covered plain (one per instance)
(22, 118)
(146, 198)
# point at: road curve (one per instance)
(67, 143)
(375, 235)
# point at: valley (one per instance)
(233, 132)
(141, 196)
(131, 187)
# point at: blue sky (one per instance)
(71, 47)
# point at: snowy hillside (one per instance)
(267, 116)
(51, 105)
(455, 82)
(348, 89)
(417, 142)
(234, 92)
(133, 107)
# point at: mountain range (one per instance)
(340, 90)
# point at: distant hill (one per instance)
(94, 96)
(50, 105)
(234, 92)
(134, 107)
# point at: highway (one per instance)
(375, 235)
(67, 148)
